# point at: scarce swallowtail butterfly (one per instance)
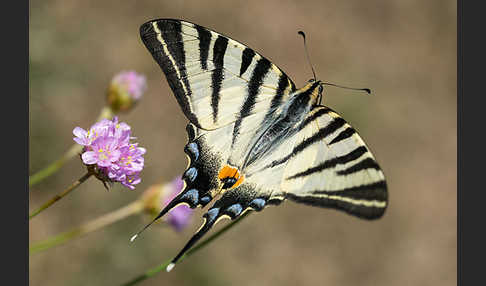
(254, 138)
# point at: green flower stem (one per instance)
(105, 220)
(52, 168)
(61, 195)
(107, 113)
(155, 270)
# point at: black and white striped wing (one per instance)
(230, 94)
(330, 166)
(216, 80)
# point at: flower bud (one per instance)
(125, 90)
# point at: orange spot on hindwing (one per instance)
(230, 177)
(226, 172)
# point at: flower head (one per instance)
(109, 154)
(104, 152)
(125, 89)
(160, 195)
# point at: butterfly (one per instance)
(254, 138)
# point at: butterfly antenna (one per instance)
(346, 87)
(307, 54)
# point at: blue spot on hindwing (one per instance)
(191, 174)
(205, 200)
(212, 214)
(193, 150)
(234, 210)
(191, 197)
(258, 204)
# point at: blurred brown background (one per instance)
(405, 51)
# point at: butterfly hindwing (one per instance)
(201, 181)
(325, 164)
(216, 80)
(208, 151)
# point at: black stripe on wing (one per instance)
(219, 50)
(172, 38)
(335, 124)
(346, 133)
(373, 191)
(204, 41)
(365, 201)
(351, 156)
(256, 81)
(314, 116)
(246, 59)
(283, 85)
(367, 163)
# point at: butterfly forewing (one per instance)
(216, 80)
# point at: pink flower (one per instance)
(105, 152)
(85, 138)
(109, 154)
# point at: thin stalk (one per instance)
(155, 270)
(61, 195)
(105, 220)
(75, 149)
(56, 165)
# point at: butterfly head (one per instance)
(321, 85)
(312, 89)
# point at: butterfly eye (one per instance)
(311, 80)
